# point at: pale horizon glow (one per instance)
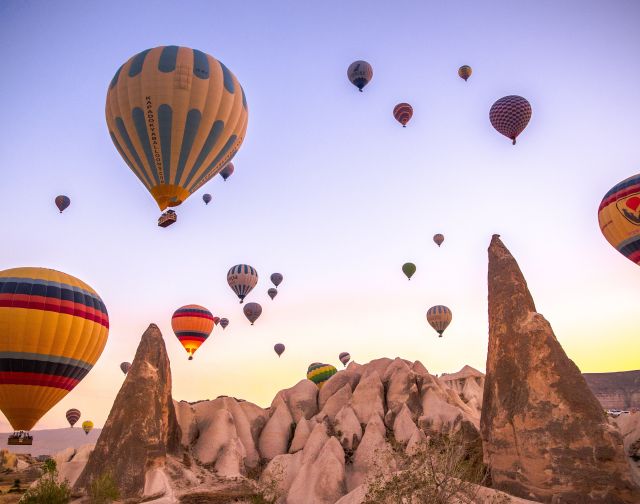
(328, 189)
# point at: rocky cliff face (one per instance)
(616, 390)
(142, 427)
(544, 433)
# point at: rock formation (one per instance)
(142, 427)
(616, 390)
(545, 436)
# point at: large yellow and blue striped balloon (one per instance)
(319, 373)
(53, 328)
(177, 116)
(619, 217)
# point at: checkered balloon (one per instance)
(510, 115)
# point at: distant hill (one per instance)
(51, 441)
(619, 390)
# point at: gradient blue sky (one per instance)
(329, 189)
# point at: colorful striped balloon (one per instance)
(227, 171)
(242, 278)
(193, 325)
(344, 358)
(619, 218)
(403, 112)
(465, 72)
(439, 317)
(53, 328)
(87, 426)
(360, 74)
(510, 115)
(319, 373)
(176, 116)
(73, 415)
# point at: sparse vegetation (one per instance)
(48, 490)
(445, 470)
(103, 489)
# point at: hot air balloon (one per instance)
(73, 415)
(465, 72)
(319, 373)
(344, 358)
(242, 278)
(438, 238)
(360, 73)
(409, 269)
(252, 311)
(510, 116)
(276, 279)
(87, 426)
(176, 116)
(279, 348)
(206, 198)
(403, 113)
(439, 317)
(224, 322)
(193, 325)
(53, 328)
(272, 292)
(227, 171)
(124, 366)
(216, 320)
(62, 202)
(619, 217)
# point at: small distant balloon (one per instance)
(242, 278)
(224, 322)
(272, 292)
(465, 72)
(276, 279)
(438, 238)
(227, 171)
(73, 415)
(252, 311)
(216, 320)
(206, 198)
(87, 426)
(510, 115)
(360, 74)
(439, 317)
(344, 357)
(124, 366)
(62, 202)
(279, 348)
(409, 269)
(403, 112)
(319, 373)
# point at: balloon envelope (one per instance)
(227, 171)
(272, 292)
(438, 238)
(619, 217)
(53, 328)
(510, 116)
(276, 279)
(224, 322)
(192, 325)
(124, 366)
(409, 269)
(279, 348)
(242, 278)
(87, 426)
(176, 116)
(62, 202)
(73, 415)
(206, 198)
(360, 73)
(319, 373)
(439, 317)
(252, 311)
(403, 112)
(465, 72)
(344, 358)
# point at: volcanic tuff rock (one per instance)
(616, 390)
(545, 435)
(142, 427)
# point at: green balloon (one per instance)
(409, 269)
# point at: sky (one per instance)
(329, 190)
